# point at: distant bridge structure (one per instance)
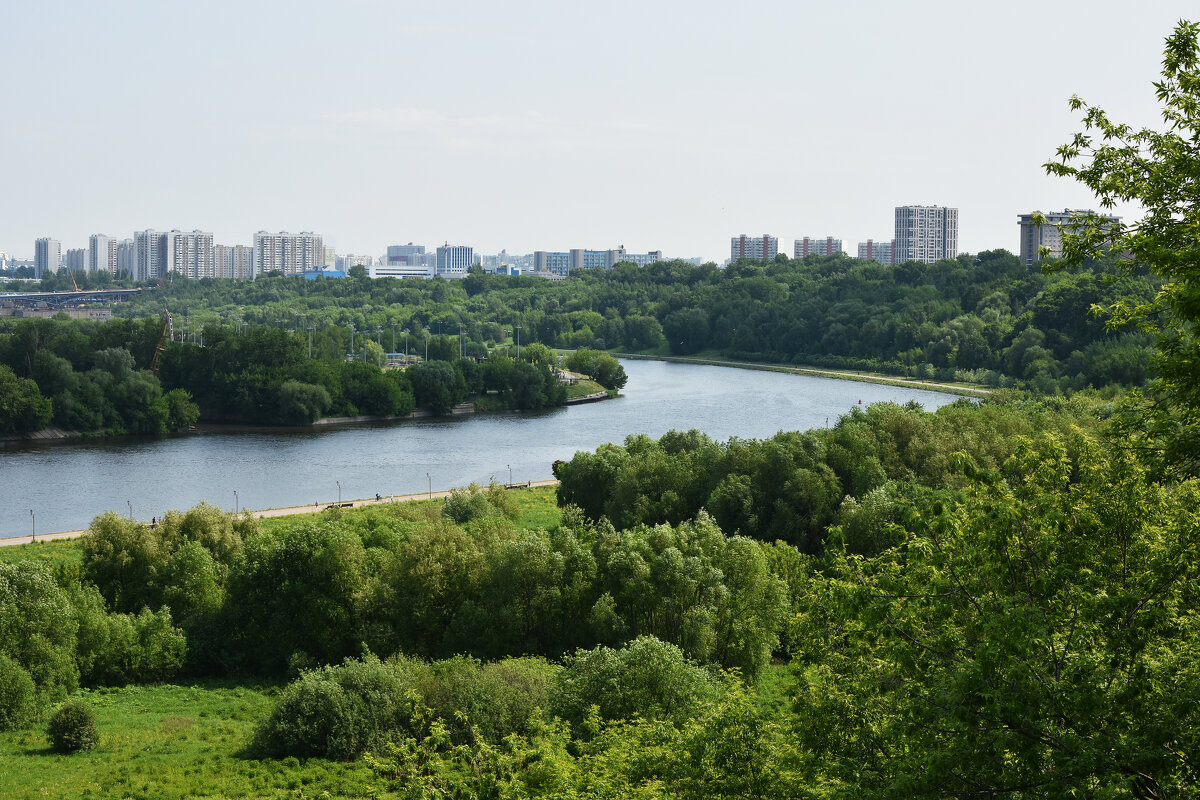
(63, 299)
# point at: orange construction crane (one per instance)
(167, 331)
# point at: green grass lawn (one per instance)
(52, 554)
(539, 508)
(171, 742)
(582, 388)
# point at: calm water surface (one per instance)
(66, 485)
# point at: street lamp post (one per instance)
(235, 501)
(405, 345)
(130, 504)
(33, 521)
(509, 474)
(518, 329)
(427, 477)
(339, 485)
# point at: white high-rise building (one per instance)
(146, 255)
(189, 254)
(156, 253)
(294, 254)
(233, 261)
(925, 233)
(871, 250)
(47, 256)
(454, 261)
(821, 247)
(102, 253)
(759, 248)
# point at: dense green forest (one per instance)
(985, 317)
(86, 376)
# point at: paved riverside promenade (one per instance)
(287, 512)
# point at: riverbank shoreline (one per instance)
(54, 435)
(316, 508)
(881, 380)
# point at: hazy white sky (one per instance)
(531, 124)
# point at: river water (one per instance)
(67, 484)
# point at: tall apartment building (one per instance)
(188, 254)
(233, 261)
(47, 256)
(454, 261)
(156, 253)
(293, 253)
(126, 257)
(759, 248)
(872, 250)
(821, 247)
(1049, 235)
(102, 253)
(76, 259)
(146, 255)
(925, 233)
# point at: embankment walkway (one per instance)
(293, 510)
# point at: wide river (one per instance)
(67, 484)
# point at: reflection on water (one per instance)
(66, 484)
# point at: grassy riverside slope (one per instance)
(187, 740)
(171, 742)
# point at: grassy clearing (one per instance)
(171, 742)
(539, 508)
(52, 554)
(582, 388)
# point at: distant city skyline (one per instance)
(644, 125)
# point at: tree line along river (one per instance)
(66, 484)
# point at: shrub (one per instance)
(72, 728)
(478, 502)
(466, 505)
(496, 699)
(647, 678)
(18, 695)
(339, 712)
(116, 649)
